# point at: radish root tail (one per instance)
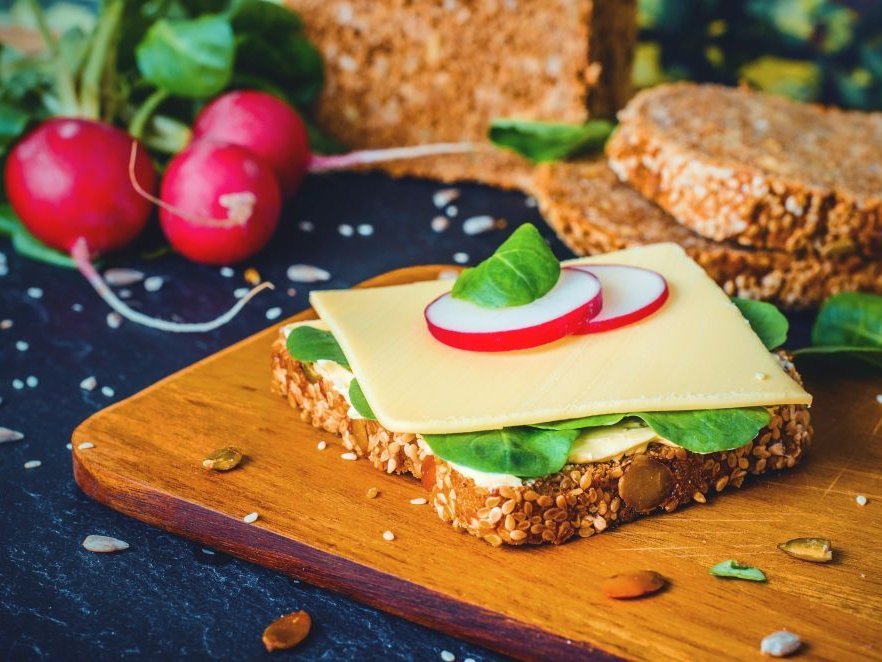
(330, 162)
(80, 255)
(239, 206)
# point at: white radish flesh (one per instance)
(630, 294)
(564, 310)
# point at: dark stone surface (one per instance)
(165, 597)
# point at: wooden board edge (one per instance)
(301, 561)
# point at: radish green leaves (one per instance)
(521, 270)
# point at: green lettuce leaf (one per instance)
(597, 421)
(521, 270)
(519, 451)
(766, 321)
(359, 402)
(308, 344)
(737, 570)
(849, 324)
(549, 141)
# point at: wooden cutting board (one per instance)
(316, 524)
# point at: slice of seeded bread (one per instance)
(762, 170)
(400, 72)
(593, 212)
(580, 500)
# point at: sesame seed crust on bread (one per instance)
(593, 212)
(761, 170)
(399, 72)
(578, 501)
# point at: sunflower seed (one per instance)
(154, 283)
(89, 384)
(817, 550)
(33, 464)
(223, 459)
(122, 277)
(287, 631)
(104, 544)
(348, 456)
(7, 435)
(306, 273)
(444, 197)
(478, 224)
(780, 644)
(250, 518)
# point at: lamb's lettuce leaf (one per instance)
(849, 324)
(521, 270)
(766, 321)
(549, 141)
(359, 402)
(308, 344)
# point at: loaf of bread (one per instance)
(756, 169)
(593, 212)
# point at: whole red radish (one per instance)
(266, 125)
(220, 203)
(68, 180)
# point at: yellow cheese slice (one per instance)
(697, 352)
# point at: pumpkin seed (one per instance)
(636, 584)
(223, 459)
(9, 435)
(287, 631)
(646, 484)
(736, 570)
(104, 544)
(817, 550)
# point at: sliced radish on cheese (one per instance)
(564, 310)
(629, 295)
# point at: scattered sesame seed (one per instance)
(322, 445)
(452, 211)
(35, 293)
(77, 307)
(250, 518)
(122, 277)
(240, 292)
(440, 223)
(69, 446)
(307, 273)
(154, 283)
(227, 272)
(7, 435)
(861, 500)
(17, 384)
(86, 445)
(780, 644)
(530, 201)
(447, 656)
(273, 313)
(21, 345)
(879, 398)
(89, 384)
(345, 230)
(4, 270)
(306, 226)
(33, 464)
(125, 293)
(388, 535)
(469, 659)
(478, 224)
(210, 552)
(460, 258)
(32, 381)
(6, 324)
(419, 501)
(291, 292)
(104, 544)
(759, 376)
(444, 197)
(114, 319)
(348, 456)
(107, 392)
(372, 493)
(365, 229)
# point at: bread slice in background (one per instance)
(593, 212)
(404, 72)
(756, 169)
(580, 500)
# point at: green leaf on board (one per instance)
(549, 141)
(308, 344)
(766, 321)
(359, 402)
(736, 570)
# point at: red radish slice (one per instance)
(629, 295)
(562, 311)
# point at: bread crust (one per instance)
(578, 501)
(760, 170)
(593, 212)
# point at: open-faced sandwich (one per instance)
(540, 400)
